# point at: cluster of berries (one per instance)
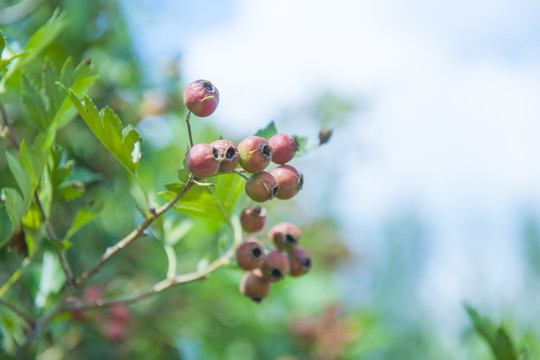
(266, 267)
(253, 154)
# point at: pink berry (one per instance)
(255, 154)
(250, 255)
(201, 97)
(289, 179)
(254, 286)
(203, 160)
(253, 219)
(228, 153)
(275, 266)
(283, 148)
(285, 236)
(261, 187)
(301, 261)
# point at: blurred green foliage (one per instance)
(93, 202)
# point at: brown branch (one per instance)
(27, 318)
(160, 286)
(138, 232)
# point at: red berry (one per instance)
(283, 148)
(301, 261)
(254, 286)
(261, 187)
(255, 154)
(253, 219)
(121, 313)
(201, 97)
(92, 294)
(289, 179)
(285, 236)
(115, 331)
(250, 255)
(203, 160)
(228, 153)
(275, 266)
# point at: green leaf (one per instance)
(23, 181)
(268, 131)
(71, 190)
(84, 216)
(52, 278)
(504, 348)
(5, 62)
(302, 144)
(497, 339)
(197, 202)
(215, 203)
(34, 103)
(47, 103)
(40, 40)
(27, 169)
(108, 129)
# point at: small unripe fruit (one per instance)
(275, 266)
(301, 261)
(261, 187)
(228, 153)
(201, 97)
(254, 286)
(283, 148)
(285, 236)
(253, 219)
(203, 160)
(289, 179)
(250, 255)
(255, 154)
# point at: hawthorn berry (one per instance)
(254, 286)
(250, 255)
(284, 147)
(300, 260)
(261, 187)
(275, 266)
(253, 219)
(201, 97)
(289, 179)
(203, 160)
(228, 153)
(285, 236)
(255, 154)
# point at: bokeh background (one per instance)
(426, 197)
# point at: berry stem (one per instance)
(241, 173)
(189, 128)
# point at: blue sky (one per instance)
(450, 131)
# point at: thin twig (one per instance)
(240, 173)
(162, 285)
(189, 128)
(59, 252)
(19, 312)
(138, 232)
